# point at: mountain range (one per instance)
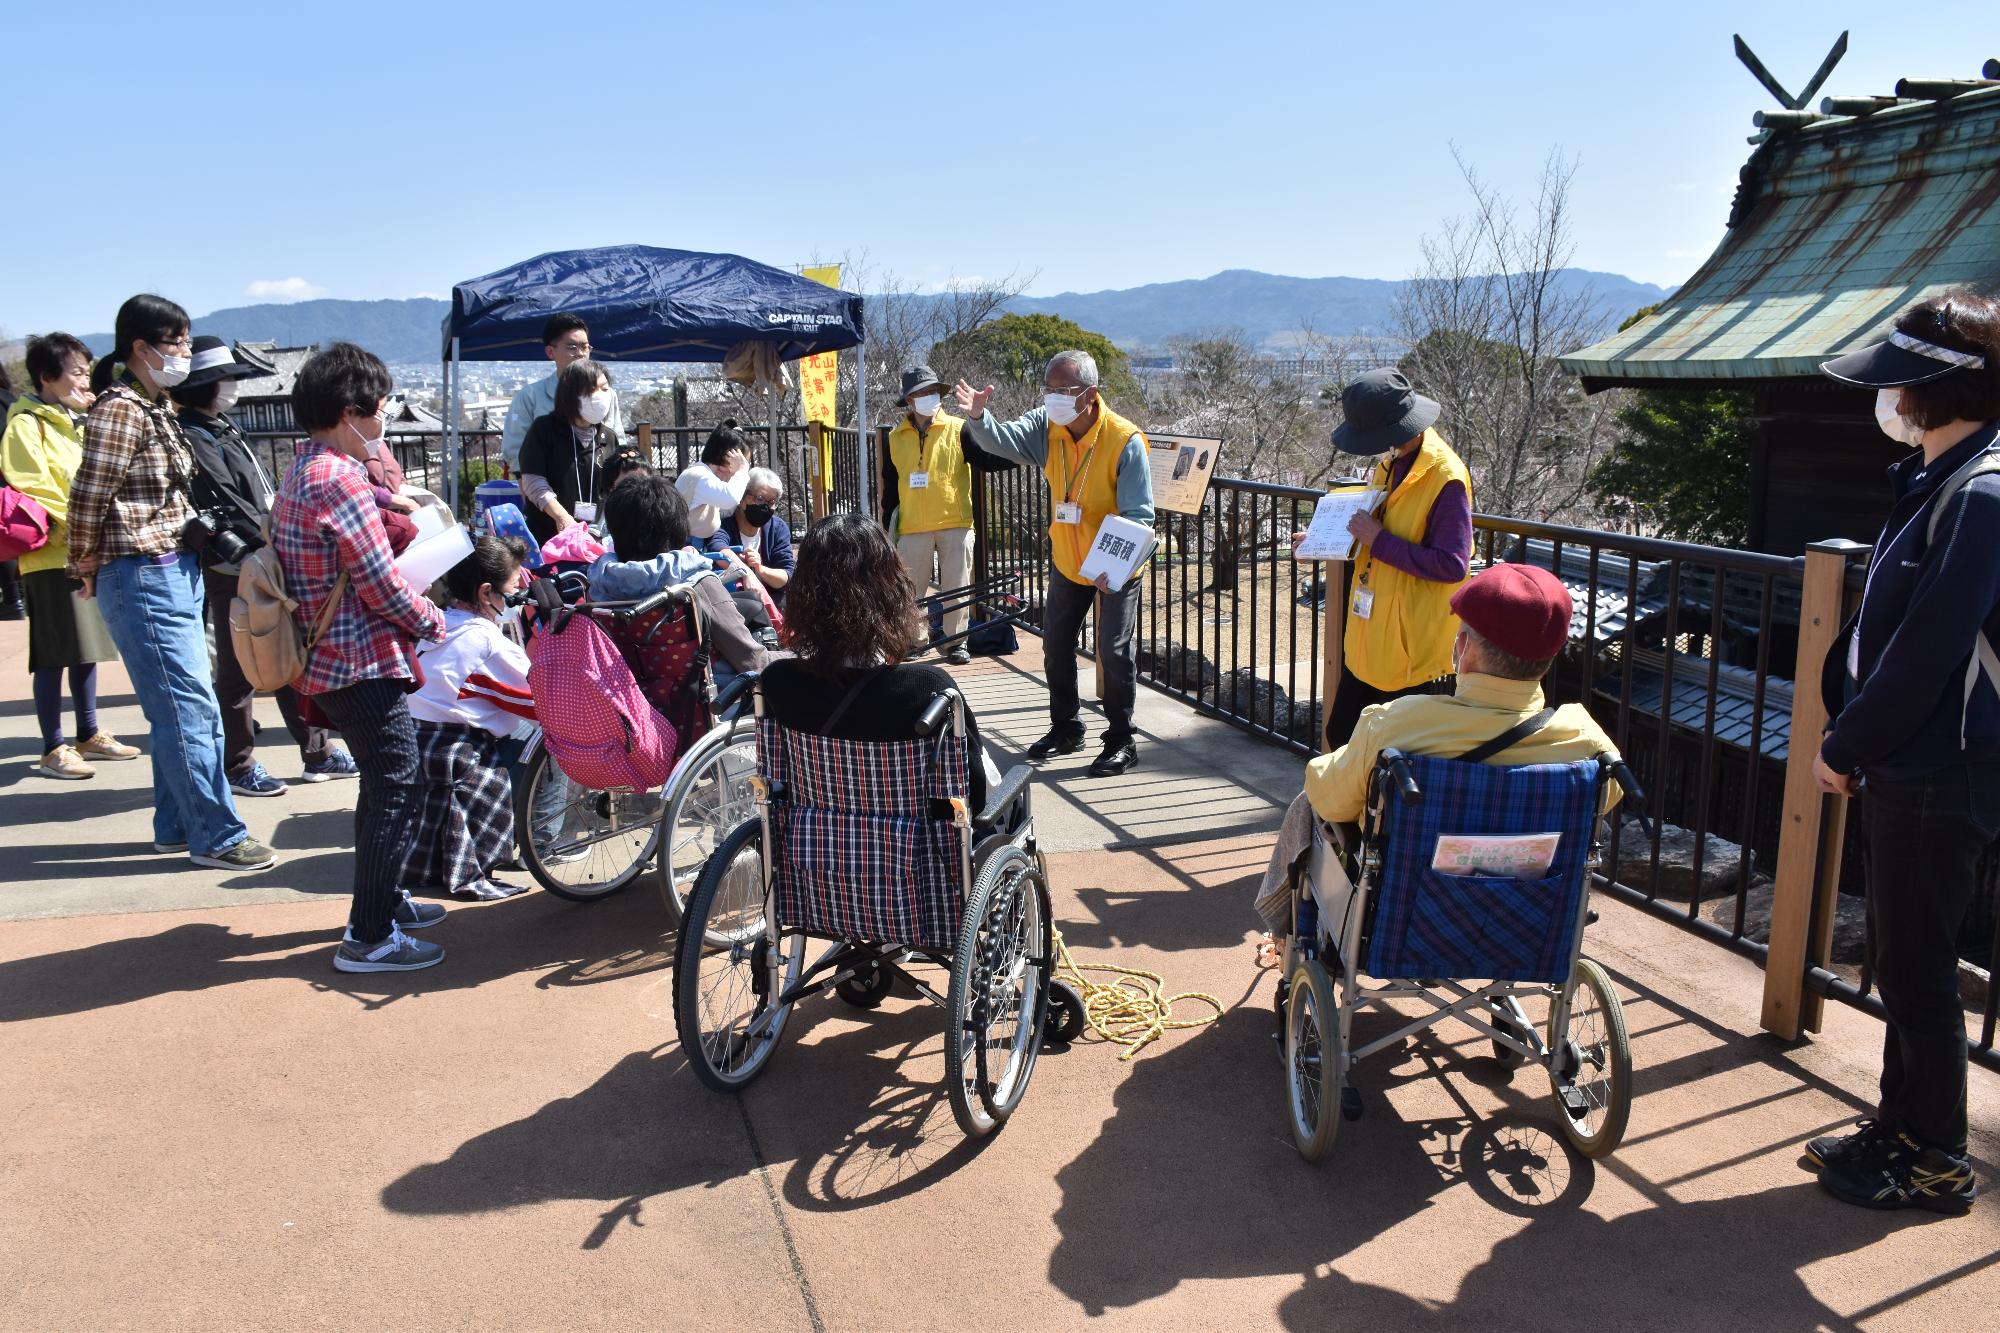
(1267, 307)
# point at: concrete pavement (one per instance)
(209, 1128)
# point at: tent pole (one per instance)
(861, 440)
(455, 446)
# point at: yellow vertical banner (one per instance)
(819, 377)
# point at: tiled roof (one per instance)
(1735, 700)
(1838, 225)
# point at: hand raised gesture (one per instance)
(971, 402)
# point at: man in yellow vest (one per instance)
(1095, 462)
(1411, 554)
(928, 485)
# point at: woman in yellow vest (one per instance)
(927, 485)
(1411, 554)
(1095, 462)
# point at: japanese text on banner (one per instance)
(819, 374)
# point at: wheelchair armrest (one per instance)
(1013, 789)
(726, 697)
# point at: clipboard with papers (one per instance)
(1327, 537)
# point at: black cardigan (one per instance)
(550, 451)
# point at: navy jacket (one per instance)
(774, 548)
(1927, 601)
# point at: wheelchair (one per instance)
(871, 849)
(1466, 887)
(585, 845)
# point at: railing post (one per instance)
(1809, 847)
(815, 440)
(1333, 578)
(646, 444)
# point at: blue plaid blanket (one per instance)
(1467, 927)
(862, 853)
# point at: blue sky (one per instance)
(368, 150)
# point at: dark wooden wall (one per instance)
(1817, 466)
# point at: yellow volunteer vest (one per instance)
(1084, 471)
(1407, 637)
(947, 501)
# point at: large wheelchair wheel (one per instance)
(998, 998)
(1313, 1064)
(726, 995)
(1591, 1064)
(709, 795)
(581, 844)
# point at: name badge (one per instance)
(1364, 603)
(585, 513)
(1069, 512)
(920, 481)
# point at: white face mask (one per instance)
(1893, 423)
(1062, 408)
(368, 443)
(225, 397)
(596, 407)
(926, 404)
(173, 369)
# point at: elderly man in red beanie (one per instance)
(1514, 620)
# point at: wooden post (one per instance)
(1333, 577)
(1808, 843)
(815, 439)
(646, 443)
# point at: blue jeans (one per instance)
(154, 614)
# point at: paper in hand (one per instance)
(1327, 537)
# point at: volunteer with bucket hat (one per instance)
(929, 481)
(232, 494)
(1410, 555)
(1912, 689)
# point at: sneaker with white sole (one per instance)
(169, 848)
(257, 781)
(413, 915)
(104, 745)
(338, 763)
(248, 854)
(66, 764)
(397, 953)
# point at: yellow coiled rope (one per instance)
(1134, 1010)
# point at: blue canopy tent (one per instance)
(642, 303)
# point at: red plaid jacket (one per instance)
(323, 521)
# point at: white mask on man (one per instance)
(225, 397)
(596, 407)
(1062, 408)
(926, 404)
(1893, 423)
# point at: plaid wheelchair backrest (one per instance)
(1428, 923)
(860, 852)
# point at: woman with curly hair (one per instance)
(850, 614)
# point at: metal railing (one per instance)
(1688, 656)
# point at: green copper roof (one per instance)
(1837, 227)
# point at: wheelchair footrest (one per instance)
(1575, 1105)
(1350, 1102)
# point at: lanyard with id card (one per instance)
(1069, 513)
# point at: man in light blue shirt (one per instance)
(564, 339)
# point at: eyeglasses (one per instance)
(1077, 392)
(184, 343)
(581, 349)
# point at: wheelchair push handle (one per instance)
(1635, 795)
(935, 713)
(1406, 781)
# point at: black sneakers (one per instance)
(1830, 1149)
(1896, 1173)
(1115, 759)
(1060, 740)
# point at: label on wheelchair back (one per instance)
(1508, 856)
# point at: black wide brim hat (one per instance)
(1381, 411)
(1899, 360)
(216, 360)
(920, 377)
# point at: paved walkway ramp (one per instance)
(209, 1128)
